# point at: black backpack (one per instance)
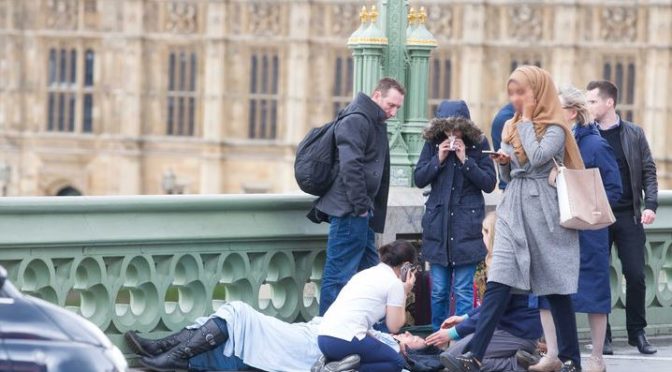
(316, 162)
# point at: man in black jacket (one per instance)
(638, 174)
(356, 203)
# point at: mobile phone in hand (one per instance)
(406, 269)
(489, 152)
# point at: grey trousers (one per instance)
(500, 355)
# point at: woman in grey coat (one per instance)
(532, 252)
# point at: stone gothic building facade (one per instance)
(211, 96)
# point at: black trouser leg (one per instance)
(565, 326)
(629, 237)
(495, 301)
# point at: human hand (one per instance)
(409, 283)
(452, 321)
(648, 216)
(529, 104)
(444, 149)
(460, 149)
(438, 338)
(501, 157)
(403, 349)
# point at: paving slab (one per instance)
(627, 359)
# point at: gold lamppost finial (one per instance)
(363, 15)
(373, 14)
(422, 15)
(412, 16)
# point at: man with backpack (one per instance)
(355, 204)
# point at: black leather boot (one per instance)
(203, 339)
(148, 347)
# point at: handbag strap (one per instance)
(552, 177)
(558, 165)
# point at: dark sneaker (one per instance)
(570, 366)
(461, 363)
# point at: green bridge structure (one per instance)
(155, 263)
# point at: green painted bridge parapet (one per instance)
(155, 263)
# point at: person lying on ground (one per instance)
(238, 337)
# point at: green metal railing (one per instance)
(155, 263)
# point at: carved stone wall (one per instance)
(132, 40)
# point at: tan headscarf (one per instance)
(547, 112)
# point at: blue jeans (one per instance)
(214, 360)
(462, 278)
(351, 247)
(375, 356)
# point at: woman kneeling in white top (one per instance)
(368, 297)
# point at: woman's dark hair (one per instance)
(398, 252)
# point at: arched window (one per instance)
(181, 101)
(621, 72)
(440, 81)
(343, 81)
(68, 191)
(70, 90)
(530, 60)
(264, 94)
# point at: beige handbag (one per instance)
(582, 199)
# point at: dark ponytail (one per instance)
(398, 252)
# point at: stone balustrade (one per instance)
(154, 263)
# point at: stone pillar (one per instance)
(564, 68)
(214, 68)
(298, 64)
(419, 44)
(128, 166)
(298, 92)
(657, 89)
(473, 60)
